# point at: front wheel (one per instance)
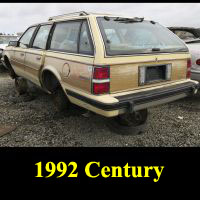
(129, 123)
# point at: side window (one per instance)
(41, 37)
(25, 40)
(85, 44)
(184, 35)
(65, 37)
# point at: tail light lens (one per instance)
(189, 64)
(101, 73)
(198, 62)
(101, 80)
(101, 88)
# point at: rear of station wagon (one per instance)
(115, 66)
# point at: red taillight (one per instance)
(189, 64)
(101, 80)
(198, 62)
(101, 88)
(101, 73)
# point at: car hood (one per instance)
(3, 46)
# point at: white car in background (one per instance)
(4, 40)
(191, 36)
(194, 48)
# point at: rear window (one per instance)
(126, 37)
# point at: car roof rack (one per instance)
(81, 13)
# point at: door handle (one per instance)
(22, 54)
(38, 58)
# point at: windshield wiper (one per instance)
(170, 50)
(129, 20)
(155, 49)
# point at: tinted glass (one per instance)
(85, 40)
(27, 36)
(65, 37)
(41, 37)
(126, 37)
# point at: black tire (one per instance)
(129, 123)
(21, 85)
(10, 69)
(2, 69)
(60, 100)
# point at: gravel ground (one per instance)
(38, 125)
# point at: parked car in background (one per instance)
(186, 33)
(4, 40)
(191, 36)
(114, 66)
(19, 34)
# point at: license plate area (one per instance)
(154, 73)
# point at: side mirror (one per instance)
(13, 43)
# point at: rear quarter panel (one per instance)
(74, 70)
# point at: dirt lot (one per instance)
(37, 123)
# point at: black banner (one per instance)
(99, 165)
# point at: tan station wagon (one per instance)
(111, 65)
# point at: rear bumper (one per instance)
(139, 100)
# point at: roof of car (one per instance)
(75, 15)
(78, 15)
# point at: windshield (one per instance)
(128, 37)
(7, 39)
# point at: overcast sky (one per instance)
(16, 17)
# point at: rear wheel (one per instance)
(60, 100)
(21, 85)
(129, 123)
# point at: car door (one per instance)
(35, 55)
(20, 51)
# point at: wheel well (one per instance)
(49, 81)
(7, 62)
(9, 66)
